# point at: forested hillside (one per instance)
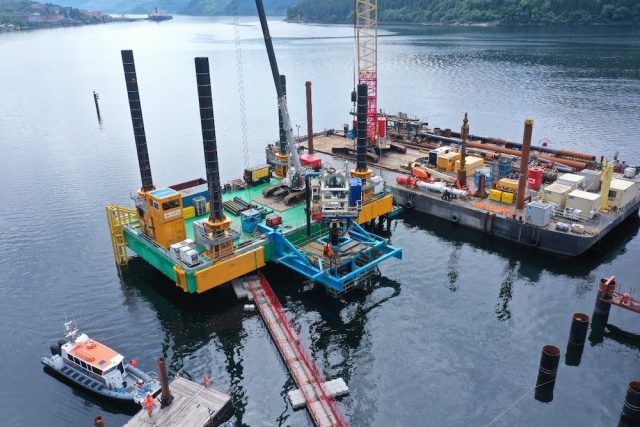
(518, 12)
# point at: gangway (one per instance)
(321, 405)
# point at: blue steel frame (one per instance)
(287, 254)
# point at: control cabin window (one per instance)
(156, 206)
(170, 205)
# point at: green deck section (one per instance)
(293, 225)
(292, 217)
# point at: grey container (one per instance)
(538, 213)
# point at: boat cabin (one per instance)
(95, 360)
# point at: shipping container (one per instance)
(588, 203)
(257, 174)
(622, 192)
(591, 179)
(508, 184)
(571, 180)
(539, 213)
(472, 164)
(557, 193)
(447, 161)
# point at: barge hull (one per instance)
(566, 244)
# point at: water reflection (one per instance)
(190, 322)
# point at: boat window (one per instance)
(170, 204)
(156, 205)
(120, 367)
(84, 365)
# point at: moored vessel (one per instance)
(99, 369)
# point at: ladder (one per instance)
(119, 217)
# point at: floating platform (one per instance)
(253, 249)
(488, 216)
(193, 405)
(313, 391)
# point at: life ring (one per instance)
(409, 204)
(454, 218)
(90, 343)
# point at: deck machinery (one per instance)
(184, 232)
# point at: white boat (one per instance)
(99, 369)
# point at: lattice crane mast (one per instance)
(366, 27)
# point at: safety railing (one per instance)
(325, 399)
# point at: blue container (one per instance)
(505, 165)
(355, 191)
(249, 220)
(483, 171)
(350, 134)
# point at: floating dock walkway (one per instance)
(318, 394)
(193, 405)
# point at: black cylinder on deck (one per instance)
(631, 408)
(579, 328)
(136, 118)
(209, 138)
(283, 133)
(547, 373)
(361, 114)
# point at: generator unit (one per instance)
(254, 175)
(200, 205)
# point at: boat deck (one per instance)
(193, 405)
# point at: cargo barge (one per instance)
(306, 216)
(570, 200)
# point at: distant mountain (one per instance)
(186, 7)
(518, 12)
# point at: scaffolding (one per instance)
(119, 217)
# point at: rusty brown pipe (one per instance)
(309, 119)
(496, 148)
(166, 397)
(576, 155)
(99, 421)
(524, 163)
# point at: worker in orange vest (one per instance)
(149, 403)
(328, 250)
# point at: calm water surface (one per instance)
(449, 336)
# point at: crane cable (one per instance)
(241, 98)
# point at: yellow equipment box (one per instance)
(507, 197)
(508, 184)
(447, 161)
(471, 164)
(495, 195)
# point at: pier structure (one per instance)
(609, 294)
(313, 391)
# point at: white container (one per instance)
(629, 172)
(571, 180)
(538, 213)
(588, 203)
(557, 193)
(591, 179)
(622, 192)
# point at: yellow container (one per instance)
(189, 212)
(507, 197)
(447, 161)
(471, 164)
(495, 195)
(508, 184)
